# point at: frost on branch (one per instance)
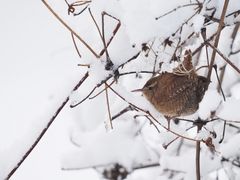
(124, 43)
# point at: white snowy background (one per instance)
(39, 69)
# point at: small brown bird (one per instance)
(178, 93)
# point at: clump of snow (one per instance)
(98, 72)
(139, 21)
(121, 146)
(209, 103)
(232, 147)
(203, 134)
(198, 22)
(181, 163)
(230, 105)
(235, 91)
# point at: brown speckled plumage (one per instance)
(177, 93)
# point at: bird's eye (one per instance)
(150, 88)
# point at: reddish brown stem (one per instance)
(45, 129)
(69, 28)
(220, 26)
(224, 57)
(198, 148)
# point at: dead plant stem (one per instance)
(220, 26)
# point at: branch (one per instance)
(233, 36)
(177, 8)
(127, 109)
(105, 80)
(203, 44)
(220, 26)
(224, 57)
(135, 167)
(46, 128)
(198, 148)
(219, 83)
(109, 121)
(68, 27)
(234, 162)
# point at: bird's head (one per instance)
(148, 88)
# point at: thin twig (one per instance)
(235, 13)
(128, 108)
(187, 39)
(114, 31)
(235, 52)
(234, 162)
(75, 45)
(129, 60)
(206, 66)
(233, 36)
(220, 119)
(175, 9)
(103, 81)
(71, 7)
(109, 63)
(166, 128)
(101, 91)
(108, 108)
(46, 128)
(222, 73)
(95, 23)
(203, 44)
(187, 120)
(219, 83)
(84, 65)
(224, 57)
(234, 126)
(166, 145)
(220, 26)
(102, 36)
(69, 28)
(203, 33)
(223, 134)
(135, 72)
(146, 166)
(198, 148)
(187, 20)
(135, 167)
(74, 105)
(174, 56)
(131, 104)
(179, 147)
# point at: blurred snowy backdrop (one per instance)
(118, 45)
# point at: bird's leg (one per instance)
(168, 120)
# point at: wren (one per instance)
(176, 93)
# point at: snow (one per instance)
(228, 150)
(231, 105)
(36, 75)
(235, 91)
(209, 103)
(39, 69)
(198, 22)
(108, 146)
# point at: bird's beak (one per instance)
(137, 90)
